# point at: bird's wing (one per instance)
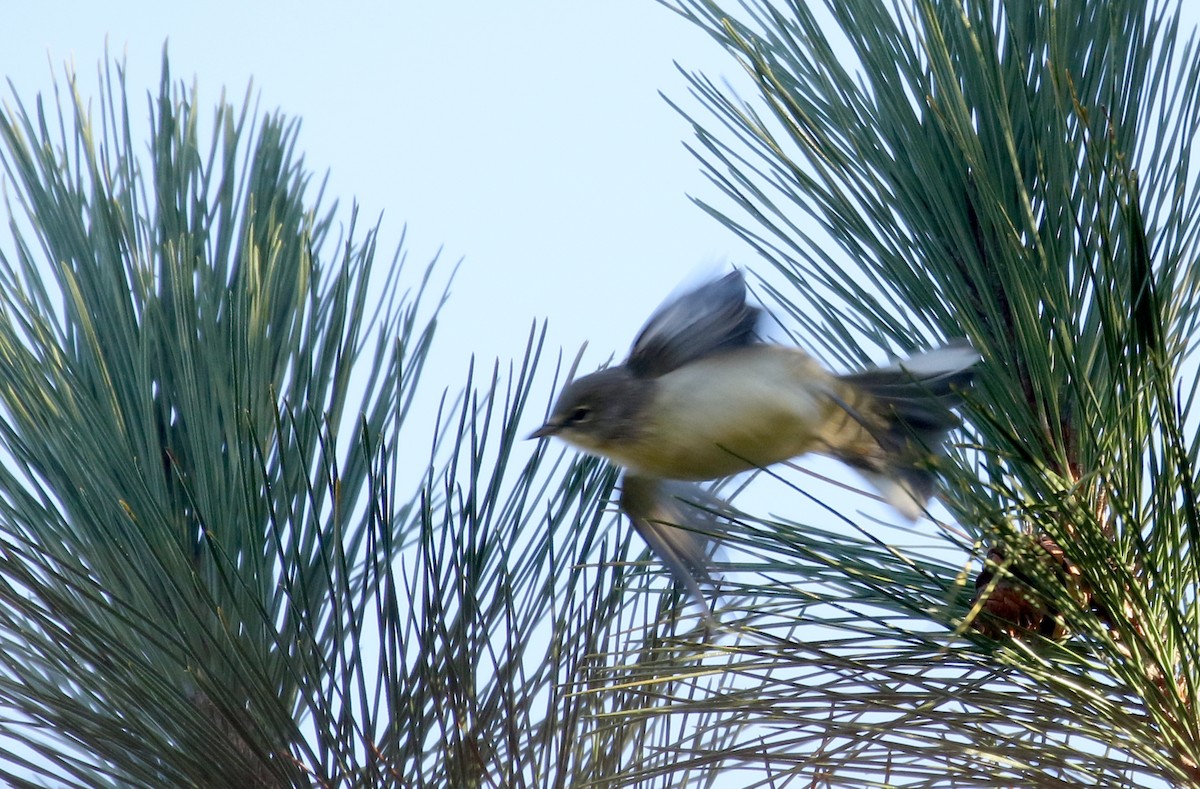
(678, 521)
(714, 317)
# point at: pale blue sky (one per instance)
(526, 137)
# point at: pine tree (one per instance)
(216, 571)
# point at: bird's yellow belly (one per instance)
(733, 412)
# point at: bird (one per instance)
(702, 396)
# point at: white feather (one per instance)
(948, 359)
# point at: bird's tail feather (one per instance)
(904, 410)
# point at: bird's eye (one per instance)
(579, 415)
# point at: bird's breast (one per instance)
(734, 411)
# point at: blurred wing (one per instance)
(714, 317)
(677, 522)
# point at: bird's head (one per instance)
(598, 411)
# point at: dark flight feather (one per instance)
(712, 318)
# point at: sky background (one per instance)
(526, 138)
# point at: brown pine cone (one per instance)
(1012, 607)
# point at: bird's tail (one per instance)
(896, 420)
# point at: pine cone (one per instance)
(1012, 607)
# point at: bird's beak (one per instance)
(547, 429)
